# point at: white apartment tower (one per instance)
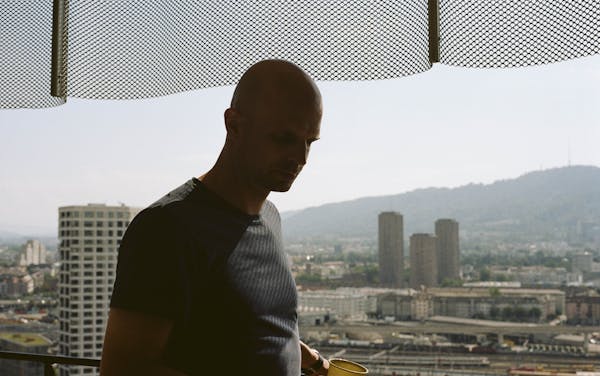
(33, 253)
(89, 237)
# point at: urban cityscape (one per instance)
(400, 303)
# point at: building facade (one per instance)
(350, 304)
(448, 249)
(423, 261)
(89, 237)
(391, 249)
(584, 310)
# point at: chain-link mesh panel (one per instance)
(510, 33)
(25, 54)
(135, 49)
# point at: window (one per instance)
(88, 214)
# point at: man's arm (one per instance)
(134, 344)
(310, 357)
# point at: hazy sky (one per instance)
(445, 127)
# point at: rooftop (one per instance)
(26, 339)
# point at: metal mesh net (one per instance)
(135, 49)
(25, 54)
(512, 33)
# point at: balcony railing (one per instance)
(49, 360)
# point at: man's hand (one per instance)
(310, 359)
(134, 344)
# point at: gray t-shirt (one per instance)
(220, 275)
(259, 271)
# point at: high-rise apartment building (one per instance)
(89, 237)
(448, 251)
(391, 249)
(33, 253)
(423, 261)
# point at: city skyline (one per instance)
(489, 125)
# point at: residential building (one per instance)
(346, 303)
(16, 282)
(33, 253)
(488, 303)
(582, 262)
(423, 261)
(89, 237)
(583, 309)
(391, 249)
(448, 249)
(536, 275)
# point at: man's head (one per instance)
(275, 115)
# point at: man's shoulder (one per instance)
(270, 213)
(163, 213)
(176, 197)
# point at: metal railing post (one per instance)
(434, 31)
(57, 75)
(49, 370)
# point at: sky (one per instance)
(445, 127)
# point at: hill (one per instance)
(560, 204)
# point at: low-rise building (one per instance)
(16, 284)
(493, 303)
(537, 275)
(583, 309)
(347, 303)
(31, 343)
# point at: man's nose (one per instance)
(301, 153)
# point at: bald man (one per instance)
(203, 286)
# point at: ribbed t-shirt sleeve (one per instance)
(150, 269)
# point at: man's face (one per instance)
(275, 142)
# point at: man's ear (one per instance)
(232, 123)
